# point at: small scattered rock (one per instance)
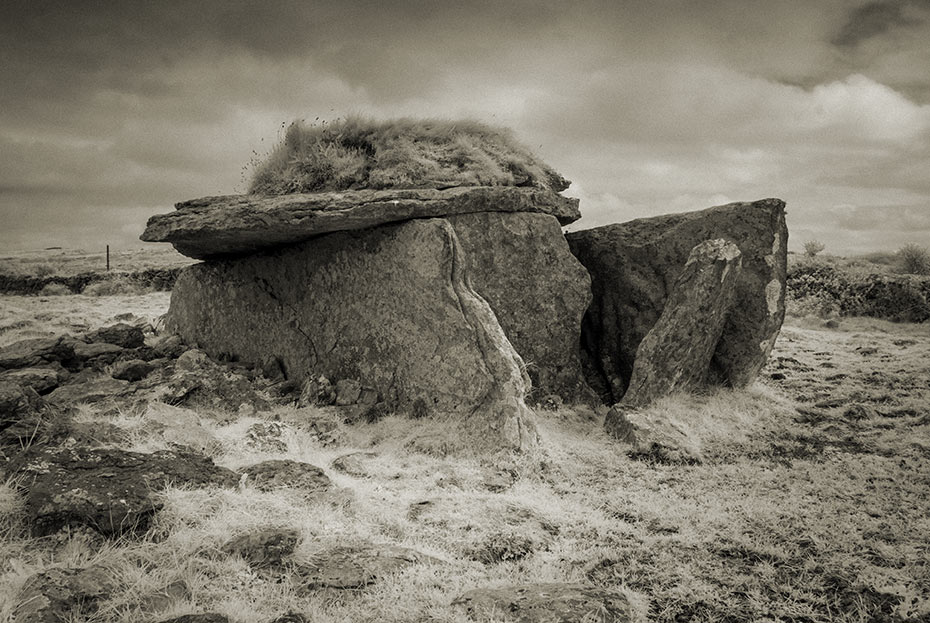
(263, 548)
(653, 436)
(317, 392)
(97, 352)
(169, 346)
(860, 412)
(548, 603)
(286, 474)
(267, 436)
(132, 370)
(348, 391)
(418, 508)
(357, 566)
(120, 334)
(832, 323)
(88, 392)
(52, 595)
(353, 464)
(110, 490)
(37, 352)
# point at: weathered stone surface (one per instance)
(36, 352)
(132, 370)
(240, 224)
(42, 380)
(521, 265)
(634, 265)
(109, 490)
(267, 436)
(355, 566)
(198, 381)
(390, 307)
(51, 596)
(548, 603)
(353, 464)
(263, 548)
(96, 350)
(120, 334)
(676, 353)
(88, 392)
(179, 427)
(286, 474)
(653, 435)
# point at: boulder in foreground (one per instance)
(390, 307)
(111, 491)
(634, 266)
(215, 227)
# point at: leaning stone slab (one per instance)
(390, 307)
(109, 490)
(355, 566)
(522, 266)
(634, 266)
(547, 603)
(676, 353)
(214, 227)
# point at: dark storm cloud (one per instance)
(127, 107)
(870, 20)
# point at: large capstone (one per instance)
(390, 307)
(214, 227)
(521, 265)
(635, 265)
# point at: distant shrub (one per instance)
(825, 290)
(54, 289)
(913, 259)
(113, 287)
(358, 153)
(43, 270)
(813, 247)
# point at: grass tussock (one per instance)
(358, 153)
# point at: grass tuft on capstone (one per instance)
(358, 153)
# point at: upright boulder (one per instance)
(521, 265)
(635, 265)
(388, 306)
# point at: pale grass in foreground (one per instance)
(783, 521)
(668, 534)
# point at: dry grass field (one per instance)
(811, 504)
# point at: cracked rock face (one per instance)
(522, 266)
(634, 267)
(389, 306)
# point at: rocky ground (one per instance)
(181, 486)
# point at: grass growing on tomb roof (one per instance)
(358, 153)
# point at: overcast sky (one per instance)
(113, 111)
